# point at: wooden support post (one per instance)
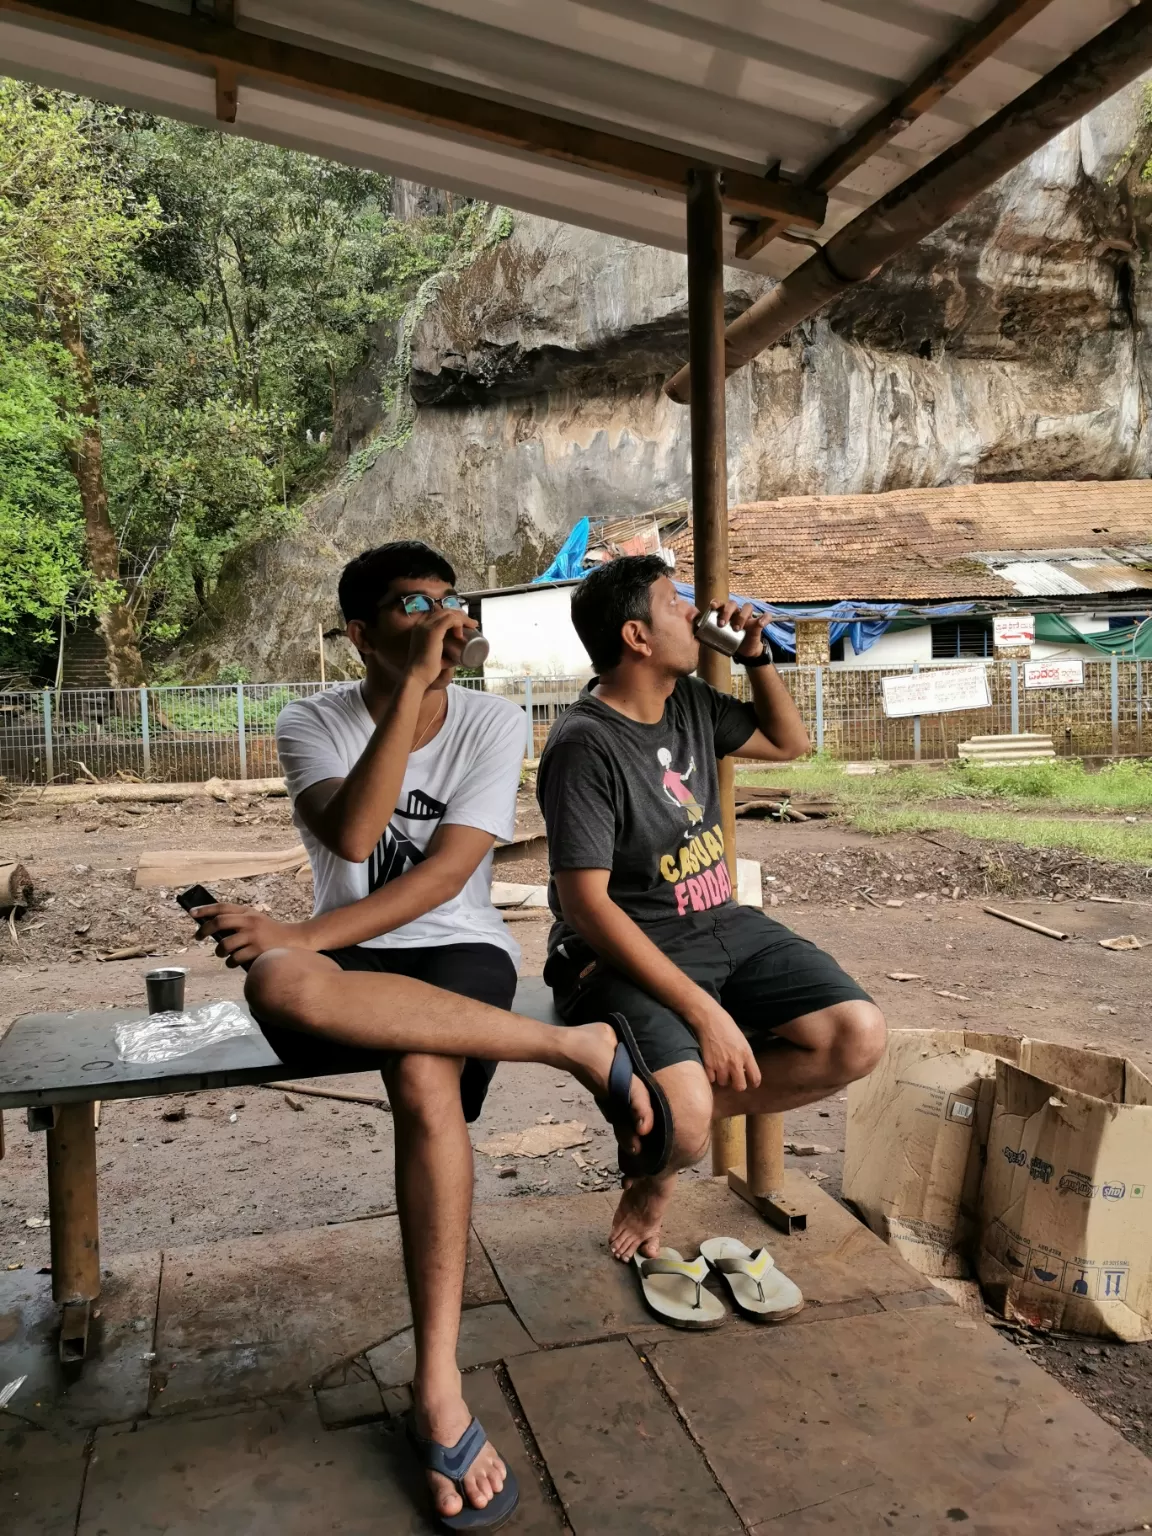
(765, 1133)
(73, 1213)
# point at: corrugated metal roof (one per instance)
(1071, 578)
(745, 83)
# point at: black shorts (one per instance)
(760, 972)
(483, 972)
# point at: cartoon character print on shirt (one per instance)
(674, 786)
(395, 854)
(697, 869)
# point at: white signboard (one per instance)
(1054, 674)
(1014, 629)
(936, 692)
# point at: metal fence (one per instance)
(228, 731)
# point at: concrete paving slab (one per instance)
(896, 1423)
(113, 1383)
(259, 1472)
(617, 1454)
(487, 1335)
(552, 1258)
(277, 1472)
(262, 1316)
(357, 1402)
(836, 1262)
(41, 1476)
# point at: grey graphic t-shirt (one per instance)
(643, 801)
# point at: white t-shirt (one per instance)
(467, 775)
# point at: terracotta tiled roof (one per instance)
(919, 545)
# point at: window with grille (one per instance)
(961, 637)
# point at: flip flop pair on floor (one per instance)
(674, 1291)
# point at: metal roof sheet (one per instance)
(1070, 578)
(745, 83)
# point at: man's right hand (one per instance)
(426, 659)
(728, 1058)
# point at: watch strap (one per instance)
(763, 660)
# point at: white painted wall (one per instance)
(531, 635)
(891, 650)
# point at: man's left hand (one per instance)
(242, 933)
(752, 623)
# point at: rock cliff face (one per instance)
(1013, 345)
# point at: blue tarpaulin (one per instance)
(863, 623)
(569, 559)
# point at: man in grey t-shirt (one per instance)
(646, 924)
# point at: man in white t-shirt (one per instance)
(400, 786)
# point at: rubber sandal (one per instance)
(616, 1106)
(452, 1462)
(674, 1291)
(758, 1290)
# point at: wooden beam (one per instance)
(972, 48)
(272, 61)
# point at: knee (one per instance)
(689, 1095)
(859, 1041)
(424, 1089)
(281, 985)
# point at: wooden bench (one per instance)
(58, 1065)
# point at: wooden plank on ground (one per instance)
(618, 1455)
(176, 868)
(899, 1423)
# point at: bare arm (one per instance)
(781, 734)
(454, 855)
(349, 815)
(614, 936)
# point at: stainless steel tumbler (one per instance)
(166, 989)
(720, 637)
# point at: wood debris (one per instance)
(1023, 922)
(1121, 941)
(904, 976)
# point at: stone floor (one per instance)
(258, 1386)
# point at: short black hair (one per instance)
(608, 598)
(365, 580)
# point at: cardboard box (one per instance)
(915, 1141)
(1066, 1226)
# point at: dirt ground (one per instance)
(214, 1167)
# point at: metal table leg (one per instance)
(73, 1212)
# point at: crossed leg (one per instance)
(819, 1053)
(301, 990)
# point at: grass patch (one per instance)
(1120, 844)
(1063, 784)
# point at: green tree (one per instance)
(67, 233)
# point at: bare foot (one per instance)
(636, 1224)
(445, 1423)
(591, 1048)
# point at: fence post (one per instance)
(1014, 675)
(819, 709)
(1139, 707)
(1115, 690)
(529, 723)
(145, 741)
(49, 758)
(916, 721)
(240, 730)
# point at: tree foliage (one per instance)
(218, 292)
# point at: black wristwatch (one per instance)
(763, 660)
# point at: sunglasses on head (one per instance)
(420, 602)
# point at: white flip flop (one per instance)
(757, 1287)
(674, 1290)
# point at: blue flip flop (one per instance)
(616, 1106)
(452, 1462)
